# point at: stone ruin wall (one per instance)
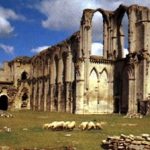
(52, 79)
(66, 77)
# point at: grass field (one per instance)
(35, 136)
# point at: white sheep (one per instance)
(50, 126)
(66, 124)
(71, 125)
(98, 126)
(91, 125)
(83, 125)
(45, 126)
(58, 125)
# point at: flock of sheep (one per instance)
(70, 125)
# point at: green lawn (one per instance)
(35, 136)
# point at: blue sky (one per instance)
(27, 26)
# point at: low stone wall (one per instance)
(125, 142)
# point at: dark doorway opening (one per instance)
(24, 100)
(3, 102)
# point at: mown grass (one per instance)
(35, 136)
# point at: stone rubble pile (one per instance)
(134, 115)
(5, 114)
(5, 129)
(125, 142)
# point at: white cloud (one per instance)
(39, 49)
(97, 49)
(7, 49)
(125, 52)
(63, 14)
(66, 14)
(5, 16)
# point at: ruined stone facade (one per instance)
(67, 78)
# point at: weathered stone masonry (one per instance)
(67, 78)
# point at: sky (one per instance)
(28, 26)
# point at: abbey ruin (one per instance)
(67, 78)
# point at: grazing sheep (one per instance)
(66, 124)
(91, 125)
(45, 126)
(83, 125)
(71, 125)
(98, 126)
(50, 126)
(58, 125)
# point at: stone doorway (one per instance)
(3, 102)
(24, 100)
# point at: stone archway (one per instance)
(24, 100)
(3, 102)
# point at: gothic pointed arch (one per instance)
(92, 96)
(95, 70)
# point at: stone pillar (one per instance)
(59, 97)
(36, 94)
(52, 107)
(79, 97)
(132, 103)
(39, 97)
(85, 33)
(33, 99)
(45, 94)
(144, 63)
(31, 96)
(110, 96)
(48, 102)
(121, 44)
(68, 97)
(105, 39)
(80, 86)
(132, 30)
(146, 36)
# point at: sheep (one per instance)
(71, 125)
(98, 126)
(66, 124)
(58, 125)
(83, 125)
(91, 125)
(50, 126)
(45, 126)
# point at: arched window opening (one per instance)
(97, 34)
(24, 75)
(24, 100)
(3, 102)
(125, 24)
